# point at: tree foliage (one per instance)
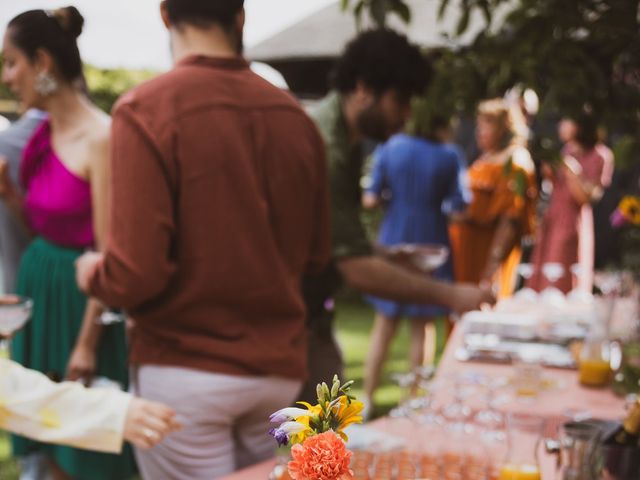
(378, 10)
(573, 53)
(104, 85)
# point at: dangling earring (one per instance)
(46, 84)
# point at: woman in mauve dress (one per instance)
(577, 183)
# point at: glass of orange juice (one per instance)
(519, 472)
(594, 369)
(524, 434)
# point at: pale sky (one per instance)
(130, 34)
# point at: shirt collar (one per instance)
(231, 63)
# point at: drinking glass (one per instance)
(524, 435)
(526, 271)
(111, 316)
(553, 272)
(15, 311)
(527, 375)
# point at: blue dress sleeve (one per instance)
(459, 194)
(378, 172)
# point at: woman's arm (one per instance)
(503, 242)
(82, 363)
(582, 191)
(371, 197)
(12, 198)
(69, 414)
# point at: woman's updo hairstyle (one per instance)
(55, 31)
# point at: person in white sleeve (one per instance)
(70, 414)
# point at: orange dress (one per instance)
(499, 190)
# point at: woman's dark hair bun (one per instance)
(70, 20)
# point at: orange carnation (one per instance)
(321, 457)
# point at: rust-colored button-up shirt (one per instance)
(219, 205)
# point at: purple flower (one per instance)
(280, 435)
(618, 219)
(287, 414)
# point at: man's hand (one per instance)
(6, 185)
(82, 365)
(86, 266)
(467, 297)
(147, 423)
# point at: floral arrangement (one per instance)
(626, 218)
(316, 433)
(627, 213)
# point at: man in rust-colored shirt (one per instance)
(219, 206)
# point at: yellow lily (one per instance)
(347, 414)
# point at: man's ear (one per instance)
(164, 14)
(240, 19)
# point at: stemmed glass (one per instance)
(457, 427)
(111, 316)
(491, 423)
(15, 311)
(526, 271)
(553, 272)
(578, 293)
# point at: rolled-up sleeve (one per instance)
(138, 263)
(349, 237)
(320, 254)
(66, 413)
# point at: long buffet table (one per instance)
(553, 405)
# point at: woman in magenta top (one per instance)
(64, 179)
(576, 184)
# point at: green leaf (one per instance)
(508, 167)
(344, 4)
(402, 10)
(521, 184)
(358, 14)
(463, 23)
(486, 10)
(379, 10)
(443, 9)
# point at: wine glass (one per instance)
(15, 311)
(526, 271)
(110, 317)
(578, 294)
(552, 295)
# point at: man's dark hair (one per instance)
(382, 59)
(203, 13)
(587, 130)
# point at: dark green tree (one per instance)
(104, 85)
(378, 10)
(575, 54)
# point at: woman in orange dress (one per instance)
(486, 240)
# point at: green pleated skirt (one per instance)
(47, 275)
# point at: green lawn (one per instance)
(354, 320)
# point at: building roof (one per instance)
(325, 33)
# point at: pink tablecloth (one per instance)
(567, 395)
(551, 405)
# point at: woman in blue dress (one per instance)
(420, 183)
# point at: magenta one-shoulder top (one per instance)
(57, 201)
